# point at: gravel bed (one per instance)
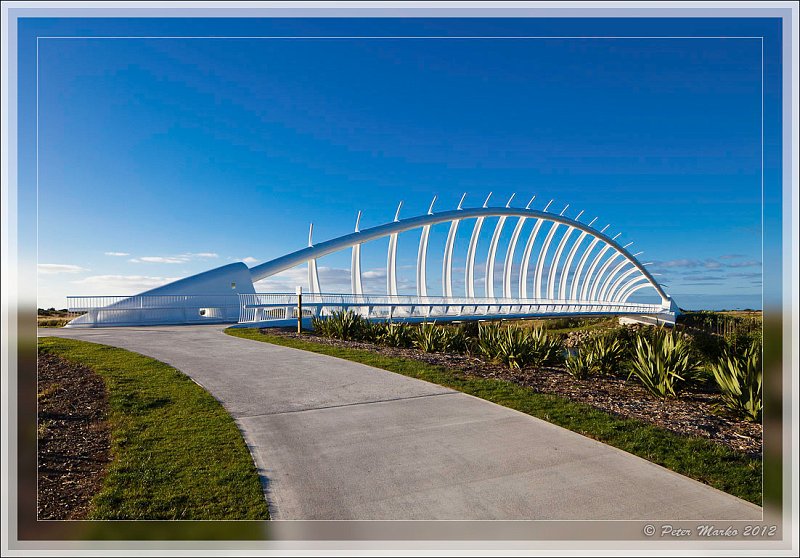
(73, 438)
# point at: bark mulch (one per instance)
(693, 413)
(73, 437)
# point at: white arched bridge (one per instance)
(563, 268)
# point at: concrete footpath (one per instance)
(339, 440)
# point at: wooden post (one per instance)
(299, 309)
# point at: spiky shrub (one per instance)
(487, 341)
(545, 348)
(454, 340)
(706, 346)
(378, 331)
(396, 335)
(739, 380)
(429, 338)
(469, 329)
(371, 331)
(663, 363)
(513, 348)
(563, 323)
(320, 326)
(605, 352)
(740, 342)
(518, 347)
(346, 325)
(580, 365)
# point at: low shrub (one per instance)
(739, 379)
(487, 340)
(429, 338)
(517, 347)
(546, 349)
(469, 329)
(664, 363)
(455, 340)
(513, 347)
(563, 323)
(580, 365)
(345, 324)
(54, 322)
(395, 335)
(706, 346)
(605, 352)
(739, 343)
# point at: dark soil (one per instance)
(693, 413)
(73, 437)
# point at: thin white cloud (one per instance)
(159, 259)
(748, 263)
(286, 281)
(331, 279)
(120, 284)
(250, 260)
(678, 263)
(708, 263)
(751, 275)
(179, 259)
(695, 277)
(52, 269)
(117, 254)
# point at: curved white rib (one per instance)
(537, 277)
(302, 256)
(355, 271)
(576, 279)
(313, 274)
(613, 290)
(509, 262)
(422, 256)
(633, 290)
(589, 274)
(551, 279)
(447, 262)
(526, 256)
(355, 263)
(623, 291)
(601, 275)
(562, 286)
(391, 266)
(469, 275)
(608, 279)
(490, 259)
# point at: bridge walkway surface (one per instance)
(335, 439)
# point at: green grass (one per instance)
(176, 453)
(697, 458)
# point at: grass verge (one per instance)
(176, 453)
(697, 458)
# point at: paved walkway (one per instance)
(340, 440)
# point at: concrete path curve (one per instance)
(340, 440)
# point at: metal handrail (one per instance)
(260, 307)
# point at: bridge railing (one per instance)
(273, 307)
(153, 309)
(266, 307)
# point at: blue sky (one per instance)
(160, 158)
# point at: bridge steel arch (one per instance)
(454, 217)
(604, 289)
